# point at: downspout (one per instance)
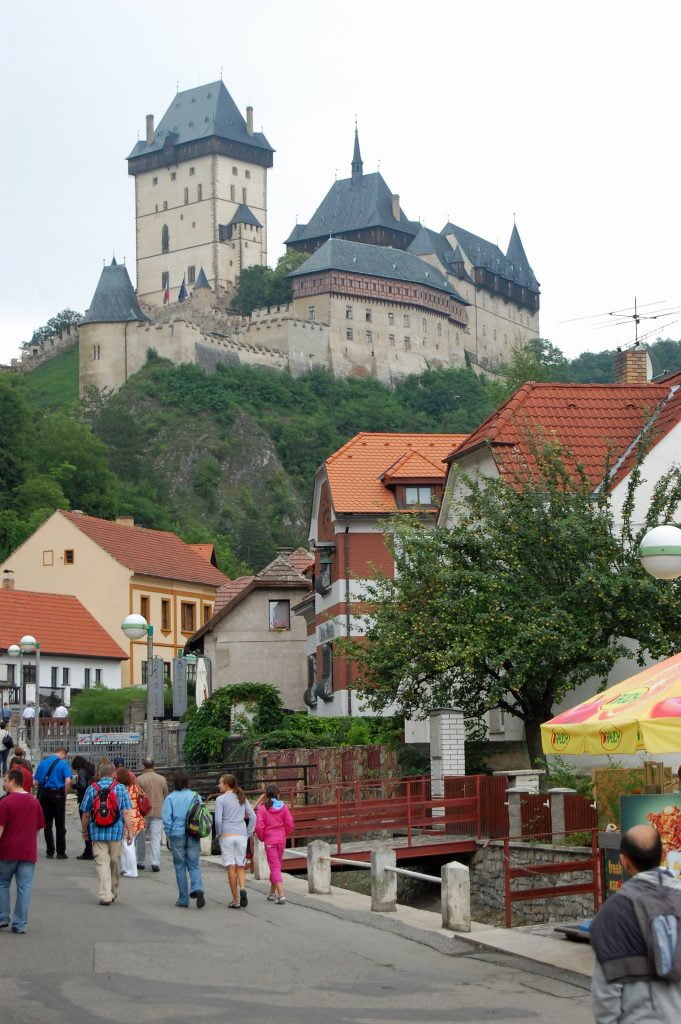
(346, 557)
(125, 357)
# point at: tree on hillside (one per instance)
(536, 360)
(261, 286)
(524, 599)
(56, 324)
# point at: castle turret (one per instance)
(357, 164)
(103, 332)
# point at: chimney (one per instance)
(396, 207)
(8, 580)
(150, 129)
(249, 120)
(125, 520)
(632, 366)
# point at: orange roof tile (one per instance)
(301, 560)
(148, 552)
(228, 591)
(355, 471)
(413, 466)
(206, 551)
(59, 623)
(596, 422)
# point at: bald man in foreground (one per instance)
(624, 987)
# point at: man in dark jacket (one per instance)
(624, 987)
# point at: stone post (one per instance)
(318, 867)
(447, 740)
(456, 897)
(260, 865)
(383, 883)
(557, 798)
(514, 796)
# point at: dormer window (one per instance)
(415, 496)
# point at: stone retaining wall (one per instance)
(487, 881)
(333, 766)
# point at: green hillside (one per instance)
(54, 385)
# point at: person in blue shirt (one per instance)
(106, 840)
(185, 849)
(53, 779)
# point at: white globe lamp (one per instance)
(660, 552)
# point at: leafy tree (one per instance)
(536, 360)
(526, 597)
(261, 286)
(56, 324)
(593, 368)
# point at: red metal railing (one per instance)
(590, 864)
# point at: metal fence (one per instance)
(95, 742)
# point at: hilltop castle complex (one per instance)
(379, 294)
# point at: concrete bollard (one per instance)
(456, 897)
(383, 883)
(514, 797)
(557, 798)
(260, 866)
(318, 867)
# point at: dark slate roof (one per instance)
(114, 300)
(244, 215)
(363, 201)
(428, 241)
(376, 261)
(201, 113)
(516, 254)
(489, 256)
(202, 281)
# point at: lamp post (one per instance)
(135, 627)
(29, 645)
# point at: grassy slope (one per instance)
(54, 384)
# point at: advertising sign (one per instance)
(663, 812)
(85, 739)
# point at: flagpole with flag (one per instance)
(166, 293)
(183, 292)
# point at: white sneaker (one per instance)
(271, 897)
(280, 899)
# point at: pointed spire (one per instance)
(515, 251)
(357, 164)
(202, 281)
(113, 261)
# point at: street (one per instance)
(145, 960)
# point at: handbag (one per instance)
(143, 802)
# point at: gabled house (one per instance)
(253, 637)
(115, 568)
(75, 651)
(356, 491)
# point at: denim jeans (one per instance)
(186, 852)
(153, 830)
(23, 871)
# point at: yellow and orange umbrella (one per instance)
(640, 713)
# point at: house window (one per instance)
(391, 319)
(199, 192)
(311, 311)
(154, 181)
(165, 615)
(418, 496)
(368, 336)
(173, 175)
(367, 315)
(69, 556)
(244, 195)
(280, 616)
(232, 193)
(348, 333)
(188, 617)
(54, 676)
(348, 312)
(207, 612)
(98, 676)
(65, 676)
(311, 670)
(235, 170)
(165, 238)
(186, 196)
(86, 679)
(144, 607)
(191, 171)
(406, 320)
(327, 665)
(191, 275)
(247, 173)
(48, 557)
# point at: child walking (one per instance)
(274, 823)
(234, 824)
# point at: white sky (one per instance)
(566, 113)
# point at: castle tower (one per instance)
(192, 174)
(104, 331)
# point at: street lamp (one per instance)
(660, 552)
(29, 645)
(135, 627)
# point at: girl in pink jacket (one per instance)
(274, 822)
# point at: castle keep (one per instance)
(379, 295)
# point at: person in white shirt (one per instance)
(28, 714)
(61, 712)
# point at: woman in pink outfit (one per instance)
(274, 822)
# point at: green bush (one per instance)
(100, 706)
(210, 724)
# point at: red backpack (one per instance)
(105, 809)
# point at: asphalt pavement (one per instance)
(145, 960)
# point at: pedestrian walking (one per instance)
(21, 818)
(625, 987)
(156, 788)
(28, 715)
(83, 774)
(61, 711)
(106, 810)
(6, 744)
(273, 824)
(234, 825)
(22, 764)
(185, 849)
(53, 779)
(6, 716)
(128, 861)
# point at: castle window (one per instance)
(247, 173)
(391, 339)
(367, 315)
(165, 280)
(348, 312)
(406, 320)
(368, 336)
(173, 175)
(191, 171)
(312, 311)
(156, 208)
(232, 193)
(154, 181)
(391, 319)
(407, 342)
(165, 204)
(484, 330)
(348, 333)
(186, 196)
(199, 192)
(494, 333)
(191, 275)
(439, 330)
(235, 170)
(244, 196)
(165, 238)
(424, 324)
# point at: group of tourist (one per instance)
(118, 809)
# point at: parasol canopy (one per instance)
(640, 713)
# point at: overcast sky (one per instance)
(566, 113)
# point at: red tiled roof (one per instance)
(301, 560)
(596, 422)
(206, 551)
(413, 466)
(228, 591)
(148, 552)
(355, 471)
(59, 623)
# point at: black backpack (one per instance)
(105, 809)
(7, 742)
(658, 912)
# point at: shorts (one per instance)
(233, 850)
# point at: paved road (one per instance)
(144, 960)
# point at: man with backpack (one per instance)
(636, 938)
(106, 817)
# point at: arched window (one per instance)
(165, 239)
